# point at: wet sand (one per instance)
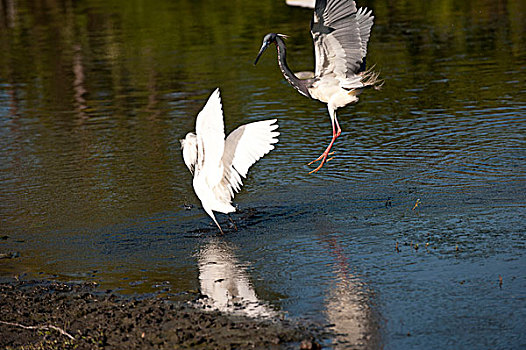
(53, 315)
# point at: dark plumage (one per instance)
(340, 33)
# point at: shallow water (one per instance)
(94, 97)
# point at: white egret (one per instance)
(340, 32)
(218, 164)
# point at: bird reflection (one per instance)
(348, 306)
(225, 283)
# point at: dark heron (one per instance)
(340, 32)
(218, 165)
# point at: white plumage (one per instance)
(218, 165)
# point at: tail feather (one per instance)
(370, 79)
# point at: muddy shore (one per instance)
(53, 315)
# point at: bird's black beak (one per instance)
(263, 48)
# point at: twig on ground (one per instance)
(45, 327)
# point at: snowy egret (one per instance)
(340, 32)
(218, 164)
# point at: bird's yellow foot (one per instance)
(323, 155)
(323, 159)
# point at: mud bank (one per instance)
(52, 315)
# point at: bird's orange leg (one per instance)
(336, 131)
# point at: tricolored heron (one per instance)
(218, 164)
(340, 32)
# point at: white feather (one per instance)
(189, 148)
(218, 165)
(210, 131)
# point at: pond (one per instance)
(412, 237)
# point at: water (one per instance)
(95, 95)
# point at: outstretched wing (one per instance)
(210, 131)
(365, 18)
(189, 148)
(340, 32)
(245, 146)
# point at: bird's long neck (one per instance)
(293, 80)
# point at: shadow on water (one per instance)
(95, 95)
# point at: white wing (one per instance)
(221, 164)
(301, 3)
(245, 146)
(210, 131)
(340, 32)
(189, 148)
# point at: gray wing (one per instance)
(340, 32)
(365, 19)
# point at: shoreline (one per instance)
(44, 314)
